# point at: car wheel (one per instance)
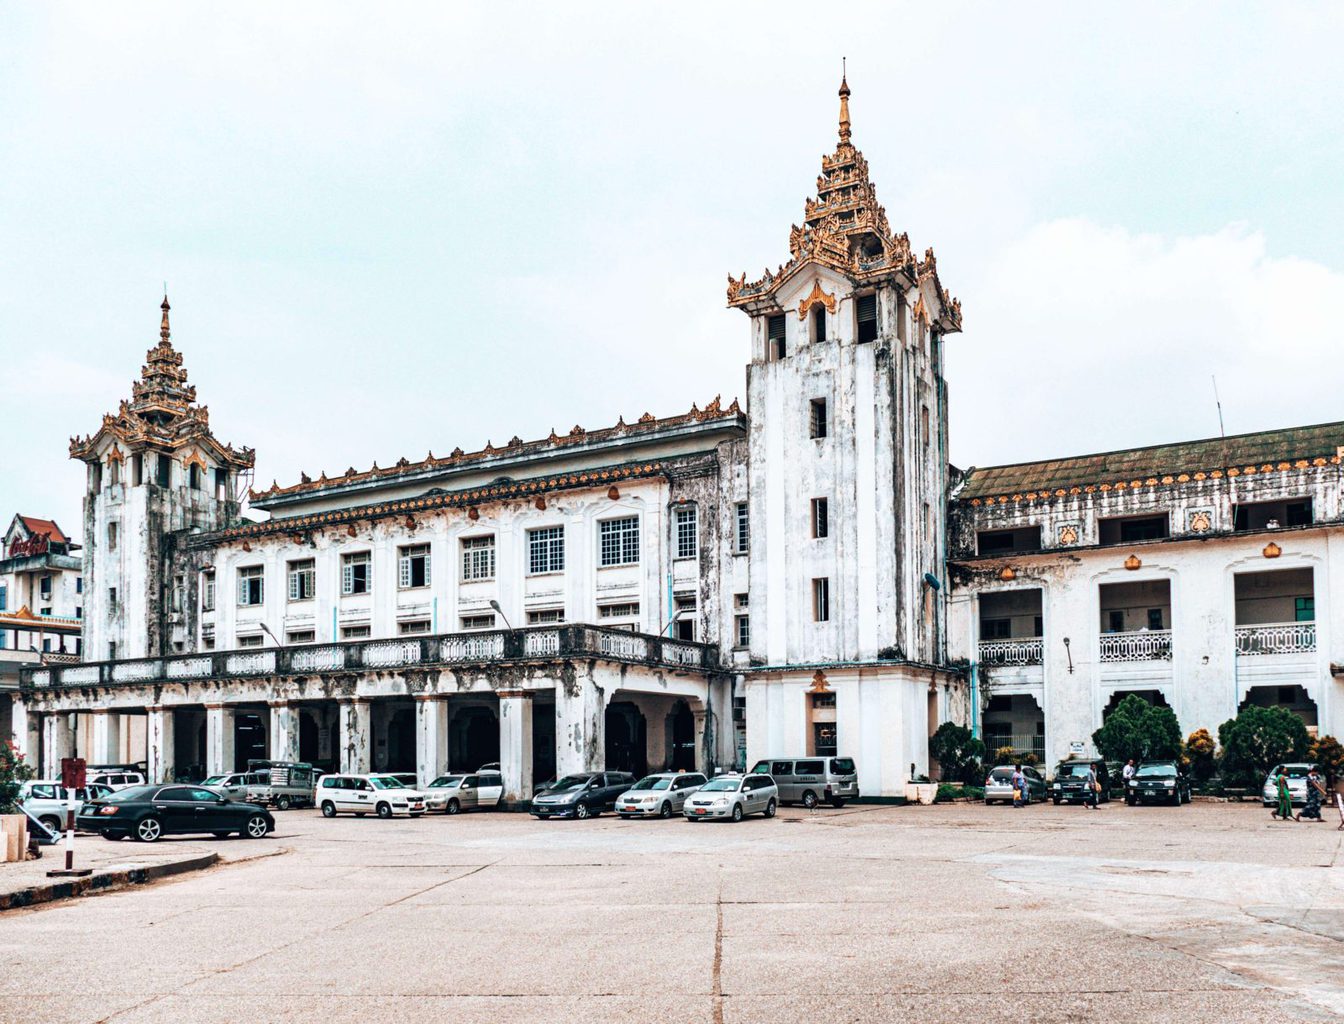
(837, 803)
(283, 803)
(771, 808)
(1130, 801)
(113, 835)
(581, 811)
(328, 809)
(665, 811)
(737, 811)
(453, 807)
(809, 800)
(1058, 801)
(148, 830)
(384, 810)
(256, 827)
(51, 822)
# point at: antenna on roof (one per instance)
(1218, 402)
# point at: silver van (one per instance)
(810, 780)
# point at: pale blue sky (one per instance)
(394, 228)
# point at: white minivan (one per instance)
(366, 794)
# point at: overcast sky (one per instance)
(393, 228)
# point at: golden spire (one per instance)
(844, 103)
(163, 326)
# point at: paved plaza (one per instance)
(952, 913)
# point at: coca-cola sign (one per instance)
(25, 546)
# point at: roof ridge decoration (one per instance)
(645, 424)
(845, 228)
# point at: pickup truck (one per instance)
(282, 784)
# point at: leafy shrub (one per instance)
(1328, 754)
(1258, 739)
(14, 772)
(1199, 753)
(1139, 730)
(957, 752)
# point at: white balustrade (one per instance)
(1276, 638)
(1019, 651)
(317, 659)
(388, 653)
(620, 644)
(472, 647)
(1139, 645)
(135, 671)
(681, 654)
(250, 663)
(542, 644)
(188, 668)
(79, 675)
(42, 677)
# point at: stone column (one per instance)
(515, 745)
(58, 741)
(655, 712)
(284, 731)
(105, 742)
(356, 736)
(160, 743)
(702, 758)
(20, 725)
(219, 755)
(580, 727)
(431, 737)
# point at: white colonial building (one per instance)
(805, 576)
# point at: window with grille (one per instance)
(251, 588)
(684, 620)
(478, 559)
(546, 550)
(741, 600)
(821, 518)
(743, 528)
(865, 311)
(544, 616)
(821, 600)
(478, 621)
(1304, 609)
(413, 566)
(775, 342)
(302, 580)
(816, 419)
(354, 632)
(623, 615)
(251, 640)
(413, 626)
(744, 631)
(208, 592)
(619, 541)
(300, 636)
(687, 531)
(356, 573)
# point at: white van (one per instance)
(366, 794)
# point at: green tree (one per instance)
(1327, 753)
(1258, 739)
(957, 752)
(1199, 751)
(14, 772)
(1139, 730)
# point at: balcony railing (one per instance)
(1276, 638)
(480, 648)
(1024, 650)
(1139, 645)
(1024, 743)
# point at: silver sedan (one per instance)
(453, 793)
(734, 797)
(1297, 784)
(658, 796)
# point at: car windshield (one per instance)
(385, 782)
(132, 793)
(762, 768)
(1001, 774)
(1077, 771)
(653, 782)
(1156, 771)
(446, 780)
(721, 786)
(214, 780)
(570, 783)
(1294, 771)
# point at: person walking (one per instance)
(1128, 773)
(1284, 809)
(1315, 790)
(1093, 787)
(1019, 783)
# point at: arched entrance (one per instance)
(1153, 697)
(401, 740)
(473, 738)
(627, 740)
(308, 738)
(681, 738)
(1291, 698)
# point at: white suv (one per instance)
(364, 794)
(47, 801)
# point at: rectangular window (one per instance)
(194, 477)
(743, 528)
(1115, 622)
(996, 629)
(112, 598)
(79, 613)
(300, 636)
(1155, 618)
(221, 484)
(111, 536)
(546, 550)
(4, 598)
(865, 312)
(179, 594)
(302, 580)
(44, 585)
(114, 471)
(137, 470)
(684, 623)
(624, 615)
(818, 324)
(688, 533)
(619, 541)
(743, 631)
(821, 520)
(816, 421)
(79, 586)
(740, 600)
(163, 471)
(413, 626)
(544, 616)
(251, 640)
(356, 573)
(208, 592)
(1304, 609)
(478, 621)
(251, 588)
(44, 611)
(1130, 530)
(413, 567)
(775, 338)
(207, 643)
(821, 600)
(478, 558)
(354, 632)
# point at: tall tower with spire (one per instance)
(848, 474)
(154, 468)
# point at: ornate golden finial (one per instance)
(163, 325)
(844, 102)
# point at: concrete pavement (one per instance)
(956, 913)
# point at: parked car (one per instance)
(1070, 783)
(999, 784)
(408, 779)
(234, 785)
(118, 778)
(658, 796)
(807, 780)
(288, 784)
(1297, 784)
(1166, 781)
(48, 801)
(150, 812)
(359, 795)
(581, 796)
(734, 797)
(453, 793)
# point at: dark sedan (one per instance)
(1158, 782)
(581, 796)
(151, 812)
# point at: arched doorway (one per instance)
(473, 738)
(627, 739)
(401, 740)
(249, 739)
(308, 738)
(1291, 698)
(1153, 697)
(681, 738)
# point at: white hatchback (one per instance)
(367, 794)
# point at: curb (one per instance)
(102, 882)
